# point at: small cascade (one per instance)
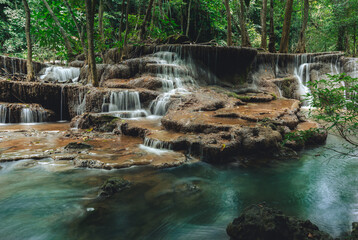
(175, 74)
(81, 107)
(154, 143)
(61, 74)
(124, 104)
(33, 116)
(3, 113)
(302, 73)
(156, 147)
(5, 64)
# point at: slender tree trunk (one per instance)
(121, 22)
(228, 16)
(188, 19)
(272, 41)
(245, 40)
(147, 15)
(100, 19)
(30, 70)
(340, 40)
(64, 34)
(153, 15)
(263, 24)
(161, 8)
(354, 40)
(83, 44)
(127, 29)
(286, 27)
(301, 46)
(90, 7)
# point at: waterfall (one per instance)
(32, 116)
(276, 66)
(81, 107)
(156, 146)
(154, 143)
(174, 74)
(124, 104)
(61, 74)
(3, 112)
(302, 73)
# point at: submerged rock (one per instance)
(259, 222)
(78, 146)
(112, 186)
(354, 234)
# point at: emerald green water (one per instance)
(46, 200)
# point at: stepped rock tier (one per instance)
(168, 105)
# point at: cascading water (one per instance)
(33, 116)
(174, 74)
(61, 74)
(3, 113)
(156, 146)
(302, 73)
(81, 107)
(124, 104)
(153, 143)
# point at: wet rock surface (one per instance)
(259, 222)
(25, 113)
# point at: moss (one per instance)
(274, 96)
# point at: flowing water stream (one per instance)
(51, 200)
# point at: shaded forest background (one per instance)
(328, 25)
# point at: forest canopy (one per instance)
(327, 25)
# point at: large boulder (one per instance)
(259, 222)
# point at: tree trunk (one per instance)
(121, 22)
(263, 24)
(100, 19)
(354, 40)
(147, 15)
(127, 30)
(188, 19)
(83, 44)
(340, 40)
(272, 41)
(286, 27)
(64, 34)
(229, 30)
(245, 40)
(30, 70)
(90, 7)
(301, 46)
(152, 22)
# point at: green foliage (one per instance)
(331, 24)
(336, 103)
(302, 136)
